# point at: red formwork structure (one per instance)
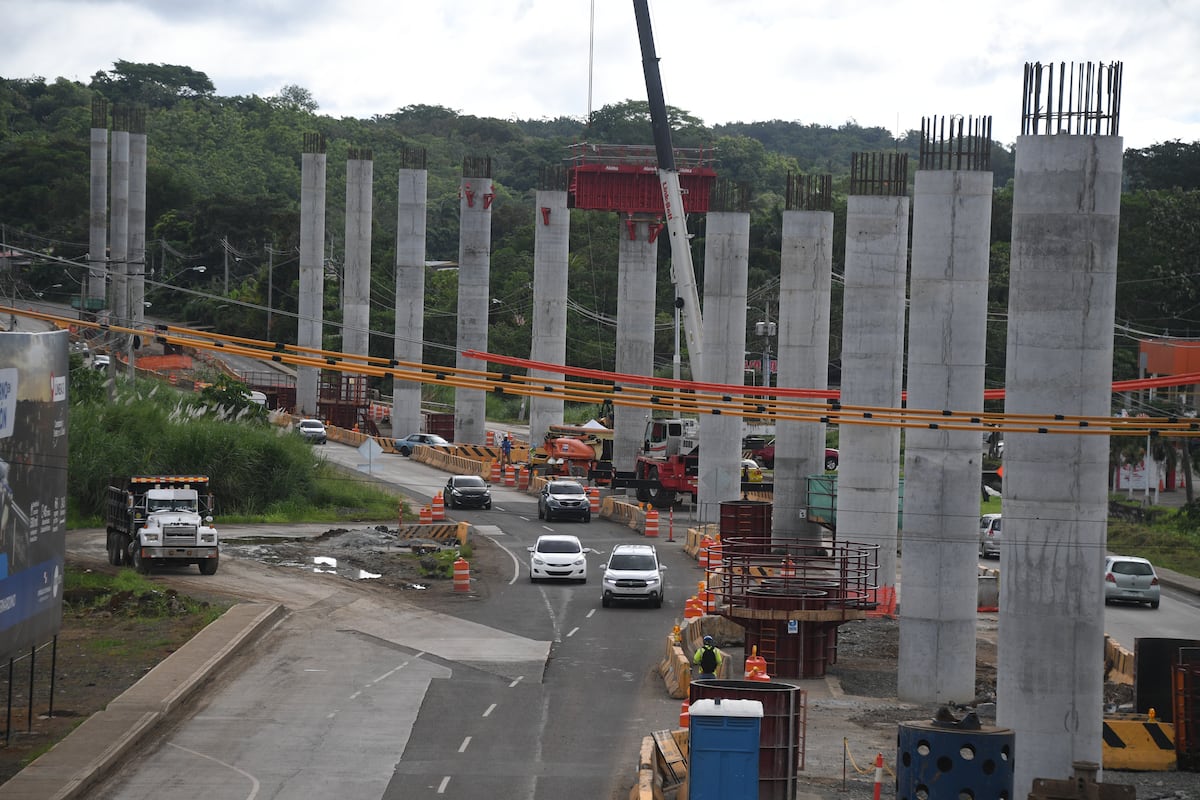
(624, 178)
(1185, 686)
(790, 597)
(342, 399)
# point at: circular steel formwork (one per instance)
(939, 760)
(790, 598)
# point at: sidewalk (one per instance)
(79, 762)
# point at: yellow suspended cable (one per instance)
(745, 403)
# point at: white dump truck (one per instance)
(160, 520)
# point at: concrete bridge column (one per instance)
(474, 268)
(637, 275)
(356, 275)
(726, 265)
(312, 266)
(412, 191)
(805, 280)
(952, 216)
(1062, 290)
(873, 372)
(93, 290)
(551, 250)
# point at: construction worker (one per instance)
(708, 658)
(506, 450)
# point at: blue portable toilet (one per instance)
(723, 751)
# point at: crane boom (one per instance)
(682, 273)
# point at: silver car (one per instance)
(1131, 579)
(989, 536)
(633, 572)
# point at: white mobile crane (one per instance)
(682, 273)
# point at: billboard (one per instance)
(33, 487)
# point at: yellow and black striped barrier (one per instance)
(1138, 742)
(438, 532)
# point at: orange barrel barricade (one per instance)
(692, 609)
(510, 475)
(495, 472)
(523, 477)
(708, 600)
(593, 493)
(426, 515)
(439, 508)
(714, 553)
(685, 717)
(704, 543)
(462, 575)
(491, 438)
(756, 666)
(652, 523)
(788, 570)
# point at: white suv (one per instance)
(633, 572)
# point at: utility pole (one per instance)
(766, 329)
(270, 285)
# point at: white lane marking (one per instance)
(355, 695)
(515, 682)
(254, 785)
(462, 748)
(573, 631)
(442, 785)
(394, 670)
(589, 614)
(515, 560)
(490, 709)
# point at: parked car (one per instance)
(557, 556)
(312, 430)
(989, 536)
(564, 499)
(633, 572)
(1131, 579)
(751, 471)
(763, 452)
(467, 491)
(413, 440)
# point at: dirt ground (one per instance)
(104, 649)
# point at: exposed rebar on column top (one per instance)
(966, 146)
(809, 192)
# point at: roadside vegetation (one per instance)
(258, 470)
(1169, 537)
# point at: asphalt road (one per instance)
(527, 691)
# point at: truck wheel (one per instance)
(663, 498)
(140, 565)
(209, 566)
(643, 495)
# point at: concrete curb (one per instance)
(80, 761)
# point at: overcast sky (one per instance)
(877, 62)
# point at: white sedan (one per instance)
(558, 556)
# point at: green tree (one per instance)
(154, 85)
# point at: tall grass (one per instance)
(256, 470)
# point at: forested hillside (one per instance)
(223, 188)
